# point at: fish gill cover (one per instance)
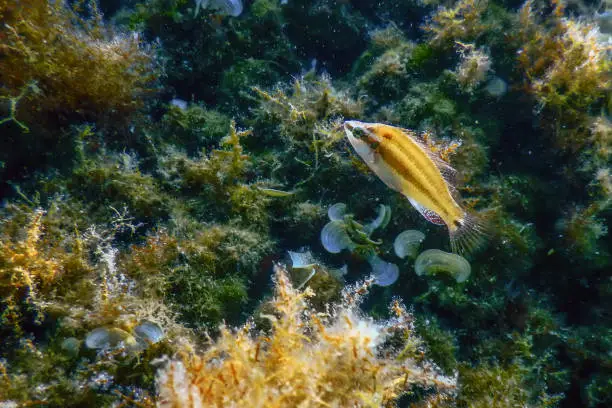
(185, 222)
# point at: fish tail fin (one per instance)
(468, 234)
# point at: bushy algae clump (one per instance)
(296, 110)
(473, 68)
(567, 66)
(75, 329)
(203, 274)
(335, 359)
(462, 22)
(80, 65)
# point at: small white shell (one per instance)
(407, 243)
(335, 238)
(224, 7)
(98, 338)
(179, 103)
(385, 273)
(301, 260)
(336, 212)
(102, 338)
(149, 331)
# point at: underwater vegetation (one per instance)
(162, 160)
(307, 359)
(63, 298)
(343, 232)
(566, 64)
(79, 64)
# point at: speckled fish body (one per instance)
(405, 163)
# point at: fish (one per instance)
(272, 192)
(406, 164)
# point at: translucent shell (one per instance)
(104, 338)
(336, 212)
(150, 332)
(301, 260)
(303, 267)
(407, 243)
(335, 238)
(433, 261)
(385, 273)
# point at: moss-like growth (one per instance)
(220, 179)
(80, 66)
(296, 111)
(441, 345)
(204, 301)
(204, 276)
(495, 386)
(116, 182)
(425, 105)
(194, 128)
(240, 77)
(388, 76)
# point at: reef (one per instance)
(184, 222)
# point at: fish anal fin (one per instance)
(428, 214)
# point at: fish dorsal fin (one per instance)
(429, 215)
(448, 172)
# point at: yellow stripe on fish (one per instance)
(406, 164)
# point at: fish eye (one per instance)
(359, 133)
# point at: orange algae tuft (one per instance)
(29, 265)
(334, 359)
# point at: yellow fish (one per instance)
(406, 164)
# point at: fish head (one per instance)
(363, 137)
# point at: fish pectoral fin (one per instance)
(387, 175)
(428, 214)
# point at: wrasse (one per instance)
(406, 164)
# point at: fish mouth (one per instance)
(351, 124)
